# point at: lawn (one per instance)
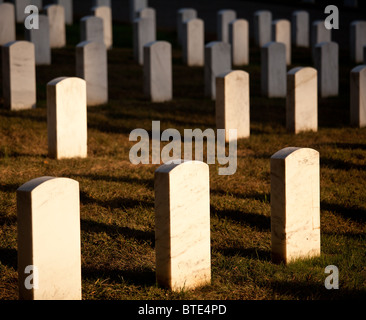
(117, 198)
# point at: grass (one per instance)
(117, 198)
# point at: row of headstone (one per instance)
(48, 206)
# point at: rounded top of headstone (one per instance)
(294, 152)
(302, 70)
(180, 164)
(33, 184)
(66, 80)
(234, 74)
(360, 68)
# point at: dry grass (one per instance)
(117, 198)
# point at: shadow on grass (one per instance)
(141, 236)
(149, 183)
(9, 257)
(310, 290)
(263, 197)
(144, 277)
(341, 165)
(115, 203)
(254, 253)
(354, 213)
(260, 222)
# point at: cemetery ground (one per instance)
(117, 198)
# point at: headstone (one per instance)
(183, 15)
(48, 217)
(69, 12)
(149, 13)
(364, 55)
(56, 18)
(233, 103)
(273, 70)
(37, 3)
(358, 40)
(295, 204)
(91, 65)
(98, 3)
(239, 40)
(281, 32)
(41, 40)
(143, 33)
(136, 5)
(302, 100)
(358, 96)
(20, 5)
(319, 33)
(327, 63)
(67, 118)
(182, 225)
(7, 23)
(262, 27)
(300, 29)
(158, 78)
(91, 29)
(224, 17)
(217, 61)
(105, 13)
(194, 42)
(19, 75)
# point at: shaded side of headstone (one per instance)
(193, 42)
(273, 70)
(182, 225)
(20, 5)
(358, 96)
(134, 6)
(300, 29)
(91, 65)
(262, 27)
(281, 32)
(97, 3)
(239, 40)
(143, 33)
(67, 118)
(302, 100)
(224, 17)
(91, 29)
(149, 13)
(233, 103)
(295, 204)
(158, 78)
(319, 33)
(41, 40)
(326, 61)
(357, 40)
(56, 18)
(19, 75)
(48, 223)
(7, 23)
(217, 61)
(183, 15)
(69, 11)
(105, 13)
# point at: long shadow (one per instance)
(341, 165)
(307, 290)
(253, 253)
(149, 183)
(346, 146)
(144, 277)
(354, 213)
(114, 203)
(9, 258)
(112, 230)
(263, 197)
(261, 222)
